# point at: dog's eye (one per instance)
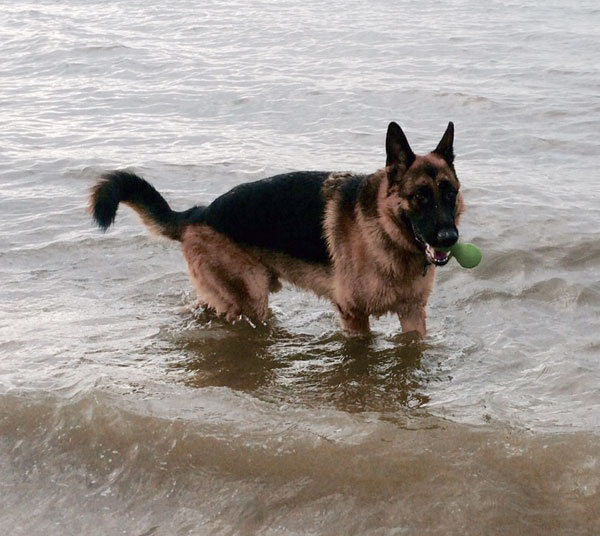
(421, 198)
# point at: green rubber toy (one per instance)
(467, 255)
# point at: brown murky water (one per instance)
(125, 411)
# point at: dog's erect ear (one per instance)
(397, 148)
(445, 147)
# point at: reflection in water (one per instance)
(374, 376)
(235, 356)
(350, 373)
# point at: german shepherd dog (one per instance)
(368, 243)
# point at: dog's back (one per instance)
(283, 214)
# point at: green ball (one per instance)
(467, 255)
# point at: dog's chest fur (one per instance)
(370, 272)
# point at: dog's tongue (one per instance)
(439, 255)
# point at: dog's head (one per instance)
(421, 196)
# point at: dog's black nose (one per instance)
(447, 237)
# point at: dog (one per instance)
(368, 243)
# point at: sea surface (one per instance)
(126, 410)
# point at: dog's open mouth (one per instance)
(436, 256)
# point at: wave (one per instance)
(223, 467)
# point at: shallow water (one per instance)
(124, 410)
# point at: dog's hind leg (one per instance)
(227, 278)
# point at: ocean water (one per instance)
(124, 410)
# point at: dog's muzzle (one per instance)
(438, 257)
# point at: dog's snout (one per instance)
(447, 237)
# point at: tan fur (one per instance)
(305, 275)
(235, 281)
(147, 220)
(228, 278)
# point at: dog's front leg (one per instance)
(413, 319)
(354, 321)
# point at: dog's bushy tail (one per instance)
(125, 187)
